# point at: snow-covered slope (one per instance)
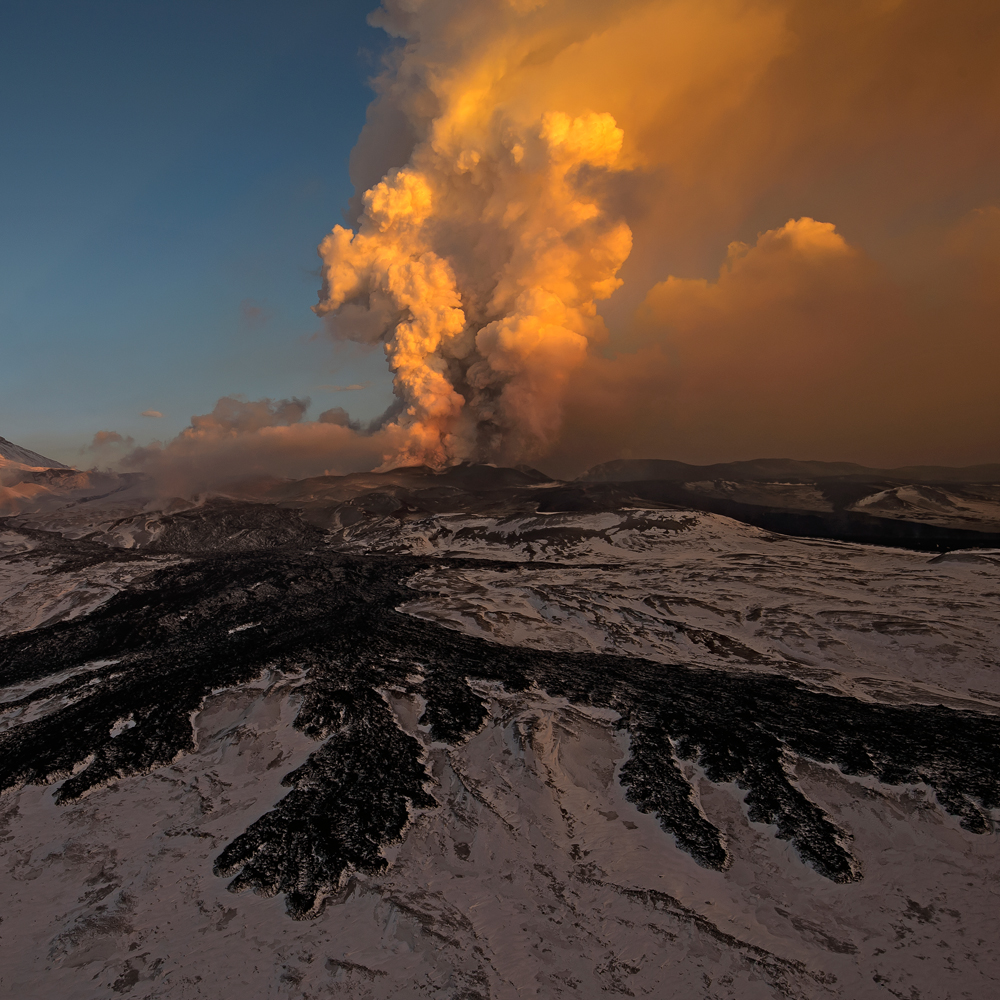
(873, 622)
(70, 500)
(632, 535)
(15, 454)
(65, 499)
(973, 506)
(535, 876)
(636, 751)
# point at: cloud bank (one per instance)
(804, 345)
(699, 229)
(241, 439)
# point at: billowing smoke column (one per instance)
(479, 264)
(846, 154)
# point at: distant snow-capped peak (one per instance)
(24, 456)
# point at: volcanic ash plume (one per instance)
(479, 264)
(518, 151)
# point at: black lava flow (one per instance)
(154, 652)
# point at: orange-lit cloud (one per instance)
(804, 345)
(546, 191)
(482, 333)
(241, 438)
(528, 160)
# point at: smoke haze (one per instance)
(240, 439)
(700, 229)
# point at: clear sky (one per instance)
(168, 169)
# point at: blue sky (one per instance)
(168, 168)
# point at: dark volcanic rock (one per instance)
(349, 801)
(234, 526)
(150, 655)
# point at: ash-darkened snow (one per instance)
(476, 701)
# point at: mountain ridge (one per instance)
(764, 469)
(25, 456)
